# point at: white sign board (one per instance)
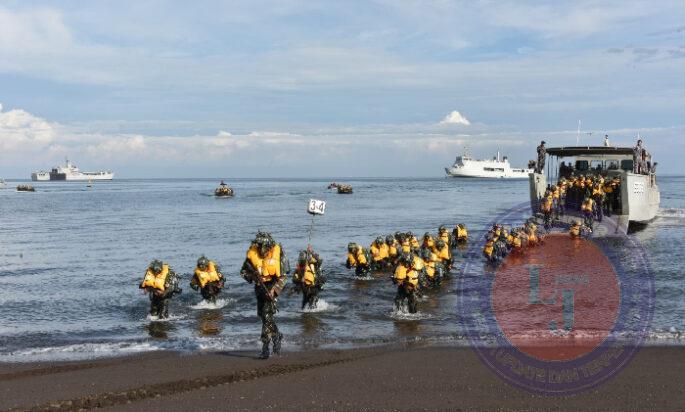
(316, 207)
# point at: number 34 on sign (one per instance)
(316, 207)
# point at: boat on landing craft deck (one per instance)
(638, 195)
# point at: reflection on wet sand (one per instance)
(209, 322)
(159, 330)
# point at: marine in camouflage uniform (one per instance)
(267, 266)
(208, 279)
(161, 283)
(409, 273)
(308, 277)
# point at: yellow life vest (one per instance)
(156, 281)
(210, 275)
(309, 277)
(489, 247)
(532, 237)
(608, 189)
(556, 194)
(597, 190)
(379, 253)
(392, 250)
(444, 253)
(404, 275)
(358, 259)
(445, 237)
(517, 242)
(417, 263)
(462, 233)
(385, 251)
(587, 205)
(430, 265)
(415, 242)
(406, 246)
(268, 267)
(574, 231)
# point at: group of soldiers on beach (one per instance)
(267, 267)
(414, 266)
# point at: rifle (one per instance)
(255, 276)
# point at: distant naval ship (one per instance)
(70, 172)
(495, 168)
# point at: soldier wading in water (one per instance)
(266, 266)
(161, 283)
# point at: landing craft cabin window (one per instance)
(582, 165)
(627, 165)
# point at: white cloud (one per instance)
(28, 142)
(22, 131)
(455, 118)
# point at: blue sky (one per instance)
(353, 88)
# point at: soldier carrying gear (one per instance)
(308, 277)
(358, 258)
(409, 271)
(267, 266)
(161, 283)
(394, 249)
(379, 254)
(442, 250)
(434, 268)
(445, 236)
(208, 279)
(588, 209)
(460, 234)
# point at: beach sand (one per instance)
(385, 378)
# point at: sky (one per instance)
(303, 88)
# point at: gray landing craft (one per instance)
(639, 196)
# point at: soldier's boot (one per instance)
(277, 344)
(265, 351)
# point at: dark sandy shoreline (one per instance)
(387, 378)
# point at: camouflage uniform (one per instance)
(266, 305)
(159, 300)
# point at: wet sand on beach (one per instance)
(387, 378)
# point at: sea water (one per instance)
(71, 259)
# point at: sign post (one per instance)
(316, 207)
